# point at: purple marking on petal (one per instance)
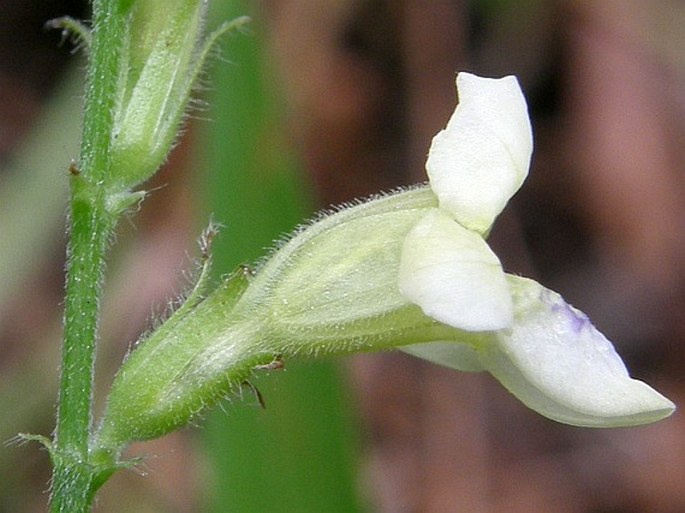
(576, 319)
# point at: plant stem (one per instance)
(90, 229)
(72, 486)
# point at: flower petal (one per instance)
(557, 363)
(481, 158)
(451, 273)
(455, 355)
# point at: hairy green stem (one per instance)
(72, 486)
(90, 229)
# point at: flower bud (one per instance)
(162, 57)
(160, 66)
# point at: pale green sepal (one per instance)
(326, 265)
(452, 274)
(165, 381)
(558, 364)
(455, 355)
(119, 202)
(333, 287)
(210, 42)
(481, 158)
(197, 293)
(328, 271)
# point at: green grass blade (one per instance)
(298, 455)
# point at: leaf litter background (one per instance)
(319, 103)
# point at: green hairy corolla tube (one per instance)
(323, 292)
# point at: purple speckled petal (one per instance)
(559, 364)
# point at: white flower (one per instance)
(544, 351)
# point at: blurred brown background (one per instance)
(601, 219)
